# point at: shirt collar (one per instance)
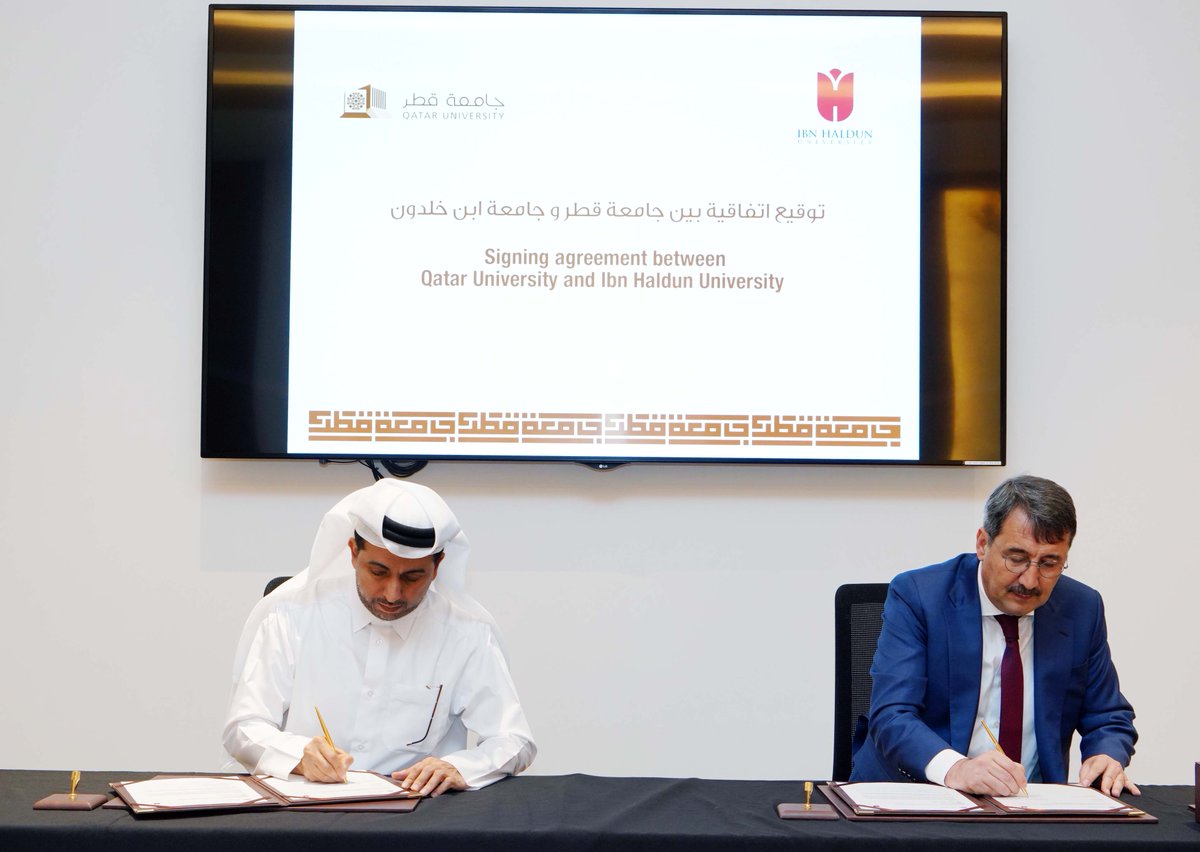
(360, 616)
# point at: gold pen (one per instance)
(74, 782)
(995, 742)
(329, 739)
(808, 795)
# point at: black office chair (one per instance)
(857, 620)
(273, 584)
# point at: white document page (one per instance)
(903, 796)
(192, 792)
(1061, 797)
(358, 784)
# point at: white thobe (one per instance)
(391, 692)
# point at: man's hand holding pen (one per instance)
(991, 773)
(323, 762)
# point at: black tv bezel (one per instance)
(244, 373)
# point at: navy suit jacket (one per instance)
(927, 666)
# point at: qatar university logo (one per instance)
(365, 102)
(835, 95)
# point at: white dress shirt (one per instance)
(989, 694)
(391, 692)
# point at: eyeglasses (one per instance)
(1047, 568)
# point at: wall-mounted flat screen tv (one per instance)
(605, 235)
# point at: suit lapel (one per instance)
(964, 638)
(1051, 669)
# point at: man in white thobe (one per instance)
(380, 635)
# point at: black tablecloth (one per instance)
(560, 813)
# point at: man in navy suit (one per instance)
(948, 645)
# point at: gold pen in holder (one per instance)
(74, 782)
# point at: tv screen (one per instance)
(605, 235)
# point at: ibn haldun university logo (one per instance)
(835, 95)
(835, 102)
(367, 102)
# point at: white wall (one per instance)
(662, 620)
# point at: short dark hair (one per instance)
(1049, 507)
(359, 542)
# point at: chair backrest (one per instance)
(857, 620)
(273, 584)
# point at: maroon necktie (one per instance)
(1012, 689)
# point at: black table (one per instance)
(559, 813)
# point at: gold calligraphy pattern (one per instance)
(711, 430)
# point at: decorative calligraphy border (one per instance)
(711, 430)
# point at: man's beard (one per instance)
(372, 605)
